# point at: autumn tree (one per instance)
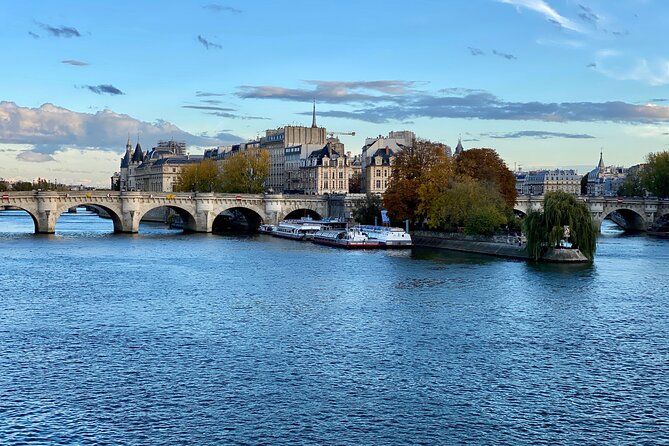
(655, 174)
(204, 176)
(246, 171)
(486, 166)
(410, 170)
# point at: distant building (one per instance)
(605, 180)
(154, 171)
(394, 141)
(276, 141)
(325, 171)
(379, 170)
(539, 182)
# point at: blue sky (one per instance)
(548, 83)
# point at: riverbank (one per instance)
(499, 246)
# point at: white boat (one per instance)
(297, 229)
(345, 238)
(388, 237)
(266, 229)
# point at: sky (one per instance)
(547, 83)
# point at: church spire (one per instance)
(313, 118)
(459, 149)
(600, 166)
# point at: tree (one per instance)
(367, 211)
(485, 165)
(246, 172)
(544, 229)
(22, 186)
(409, 170)
(204, 176)
(468, 204)
(655, 174)
(4, 186)
(632, 186)
(355, 183)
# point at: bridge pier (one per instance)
(47, 212)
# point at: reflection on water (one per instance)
(170, 338)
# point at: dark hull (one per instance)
(346, 245)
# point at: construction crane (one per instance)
(332, 134)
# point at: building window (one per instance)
(378, 172)
(341, 184)
(385, 173)
(341, 174)
(378, 184)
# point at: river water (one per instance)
(167, 338)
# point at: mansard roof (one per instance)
(385, 154)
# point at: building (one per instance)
(539, 182)
(154, 171)
(605, 180)
(276, 141)
(379, 168)
(394, 142)
(325, 171)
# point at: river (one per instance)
(169, 338)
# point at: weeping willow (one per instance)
(544, 229)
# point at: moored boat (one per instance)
(266, 229)
(296, 229)
(388, 237)
(345, 238)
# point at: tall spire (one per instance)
(128, 145)
(600, 166)
(313, 119)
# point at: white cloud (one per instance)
(546, 10)
(50, 128)
(615, 65)
(34, 157)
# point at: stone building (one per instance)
(605, 180)
(154, 171)
(538, 182)
(276, 141)
(379, 168)
(394, 141)
(325, 171)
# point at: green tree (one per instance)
(368, 209)
(468, 204)
(411, 165)
(485, 165)
(655, 174)
(22, 186)
(204, 176)
(246, 172)
(632, 186)
(4, 186)
(544, 229)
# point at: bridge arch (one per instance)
(300, 212)
(187, 215)
(253, 216)
(628, 219)
(31, 212)
(114, 213)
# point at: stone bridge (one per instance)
(634, 214)
(198, 210)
